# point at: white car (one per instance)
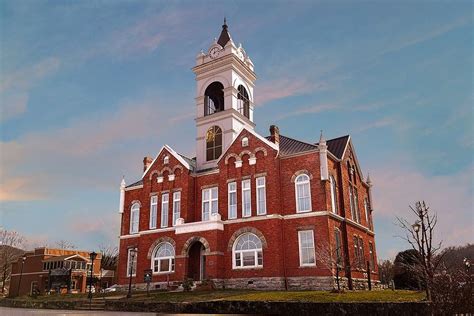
(113, 288)
(92, 289)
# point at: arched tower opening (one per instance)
(214, 98)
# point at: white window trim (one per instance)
(163, 214)
(211, 199)
(296, 194)
(133, 210)
(366, 210)
(242, 267)
(243, 197)
(171, 259)
(333, 194)
(152, 224)
(175, 214)
(260, 212)
(300, 249)
(229, 191)
(127, 273)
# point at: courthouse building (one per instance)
(249, 211)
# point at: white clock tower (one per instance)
(224, 97)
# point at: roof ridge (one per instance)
(332, 139)
(297, 140)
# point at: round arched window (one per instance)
(248, 251)
(303, 193)
(163, 258)
(214, 98)
(213, 143)
(243, 102)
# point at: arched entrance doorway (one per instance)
(197, 261)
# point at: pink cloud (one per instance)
(398, 185)
(283, 88)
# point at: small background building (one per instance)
(57, 270)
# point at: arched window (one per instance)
(213, 143)
(338, 249)
(214, 98)
(245, 142)
(243, 102)
(163, 258)
(333, 194)
(247, 252)
(134, 218)
(166, 160)
(303, 193)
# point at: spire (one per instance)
(225, 36)
(321, 138)
(368, 179)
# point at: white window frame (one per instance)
(171, 260)
(366, 210)
(165, 208)
(176, 206)
(333, 194)
(246, 212)
(231, 208)
(351, 203)
(135, 220)
(166, 160)
(257, 187)
(240, 252)
(134, 263)
(153, 211)
(245, 142)
(300, 247)
(300, 184)
(356, 204)
(212, 201)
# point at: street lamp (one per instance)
(416, 226)
(92, 256)
(23, 259)
(133, 252)
(467, 264)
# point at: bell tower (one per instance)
(224, 97)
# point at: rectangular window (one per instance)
(362, 255)
(232, 200)
(131, 263)
(261, 196)
(164, 209)
(356, 206)
(176, 206)
(210, 201)
(153, 211)
(356, 252)
(306, 242)
(371, 257)
(246, 199)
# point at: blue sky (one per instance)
(88, 88)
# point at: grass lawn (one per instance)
(242, 295)
(299, 296)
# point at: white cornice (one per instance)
(134, 187)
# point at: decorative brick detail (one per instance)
(159, 241)
(177, 167)
(260, 149)
(244, 230)
(153, 173)
(166, 169)
(191, 241)
(230, 156)
(136, 201)
(299, 172)
(246, 152)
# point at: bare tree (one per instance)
(109, 257)
(10, 242)
(420, 235)
(385, 271)
(64, 244)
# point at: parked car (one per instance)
(113, 288)
(92, 289)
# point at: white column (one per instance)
(323, 158)
(122, 195)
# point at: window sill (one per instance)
(248, 268)
(306, 211)
(163, 273)
(302, 266)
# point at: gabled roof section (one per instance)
(179, 157)
(139, 182)
(289, 146)
(337, 146)
(258, 136)
(225, 36)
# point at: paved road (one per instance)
(5, 311)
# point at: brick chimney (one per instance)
(275, 134)
(147, 162)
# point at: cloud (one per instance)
(398, 185)
(85, 153)
(384, 122)
(318, 108)
(425, 36)
(13, 106)
(14, 87)
(284, 88)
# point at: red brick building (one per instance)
(48, 269)
(248, 211)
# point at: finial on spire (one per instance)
(368, 179)
(321, 138)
